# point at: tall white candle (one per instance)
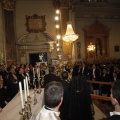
(25, 90)
(27, 87)
(21, 95)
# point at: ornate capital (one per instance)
(56, 4)
(8, 4)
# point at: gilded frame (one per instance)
(35, 23)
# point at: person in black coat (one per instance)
(95, 76)
(65, 107)
(21, 76)
(31, 76)
(105, 78)
(12, 83)
(81, 107)
(4, 74)
(83, 70)
(4, 96)
(115, 100)
(51, 77)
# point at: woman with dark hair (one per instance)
(12, 83)
(81, 107)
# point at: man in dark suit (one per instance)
(114, 77)
(21, 76)
(4, 74)
(51, 77)
(115, 100)
(76, 69)
(95, 75)
(105, 78)
(83, 70)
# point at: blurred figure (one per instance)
(4, 96)
(105, 78)
(4, 74)
(12, 83)
(81, 107)
(95, 76)
(65, 107)
(26, 74)
(114, 77)
(83, 70)
(51, 77)
(115, 100)
(21, 76)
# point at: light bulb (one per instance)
(56, 18)
(57, 44)
(57, 11)
(58, 36)
(58, 49)
(57, 26)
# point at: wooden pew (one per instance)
(99, 82)
(93, 96)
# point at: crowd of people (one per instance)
(75, 102)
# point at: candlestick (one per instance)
(28, 94)
(21, 95)
(25, 90)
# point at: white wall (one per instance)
(29, 8)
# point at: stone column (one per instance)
(9, 27)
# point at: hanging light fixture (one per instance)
(70, 36)
(91, 47)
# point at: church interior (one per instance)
(60, 32)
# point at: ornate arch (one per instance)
(97, 34)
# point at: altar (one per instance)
(12, 109)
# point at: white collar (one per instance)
(51, 110)
(114, 113)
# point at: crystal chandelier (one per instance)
(91, 47)
(70, 36)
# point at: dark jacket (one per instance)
(114, 117)
(4, 96)
(51, 77)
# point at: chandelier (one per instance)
(70, 36)
(91, 47)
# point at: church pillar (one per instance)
(66, 45)
(9, 27)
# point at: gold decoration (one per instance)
(35, 23)
(8, 4)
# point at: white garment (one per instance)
(114, 113)
(94, 73)
(83, 69)
(46, 114)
